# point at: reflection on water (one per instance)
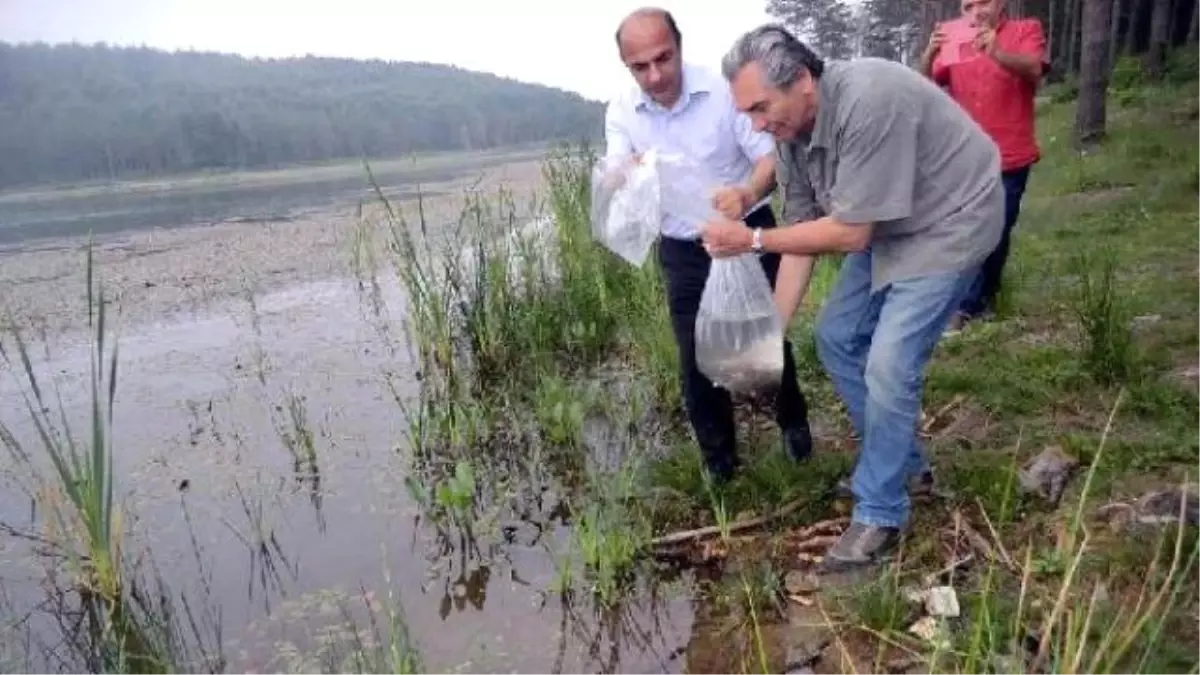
(275, 435)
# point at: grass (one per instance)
(546, 362)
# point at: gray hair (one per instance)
(776, 51)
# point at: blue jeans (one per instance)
(874, 347)
(981, 297)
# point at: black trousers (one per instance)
(710, 408)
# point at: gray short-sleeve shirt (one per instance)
(891, 148)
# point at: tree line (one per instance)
(1086, 39)
(74, 112)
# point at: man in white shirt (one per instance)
(685, 109)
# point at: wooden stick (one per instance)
(817, 543)
(711, 530)
(831, 525)
(1008, 560)
(929, 421)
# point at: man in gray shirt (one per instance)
(875, 161)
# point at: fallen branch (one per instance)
(980, 543)
(1008, 560)
(711, 530)
(932, 578)
(930, 420)
(821, 543)
(823, 527)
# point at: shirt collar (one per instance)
(821, 135)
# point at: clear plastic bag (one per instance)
(739, 334)
(626, 213)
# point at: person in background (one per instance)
(683, 108)
(878, 163)
(995, 83)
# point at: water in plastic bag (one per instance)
(626, 213)
(739, 335)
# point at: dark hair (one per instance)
(780, 54)
(666, 16)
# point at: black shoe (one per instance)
(722, 470)
(860, 546)
(798, 443)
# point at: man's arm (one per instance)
(927, 65)
(733, 201)
(1027, 59)
(791, 284)
(617, 142)
(799, 203)
(759, 147)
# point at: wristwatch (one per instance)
(756, 243)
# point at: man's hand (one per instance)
(727, 237)
(936, 40)
(985, 42)
(733, 201)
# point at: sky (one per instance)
(561, 43)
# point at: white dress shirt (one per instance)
(704, 125)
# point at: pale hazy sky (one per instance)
(562, 43)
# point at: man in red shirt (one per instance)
(994, 75)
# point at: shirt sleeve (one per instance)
(1032, 41)
(877, 156)
(755, 144)
(617, 142)
(799, 199)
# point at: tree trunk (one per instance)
(1093, 73)
(1073, 32)
(1114, 34)
(1051, 42)
(1160, 23)
(1194, 31)
(1133, 17)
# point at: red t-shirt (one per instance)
(998, 99)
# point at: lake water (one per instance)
(205, 402)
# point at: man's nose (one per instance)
(758, 122)
(654, 74)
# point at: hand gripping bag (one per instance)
(625, 209)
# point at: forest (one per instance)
(899, 29)
(1092, 44)
(73, 113)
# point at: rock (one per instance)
(1164, 506)
(1188, 377)
(942, 601)
(931, 630)
(1047, 474)
(799, 582)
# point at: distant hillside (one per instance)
(73, 112)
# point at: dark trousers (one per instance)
(981, 297)
(710, 408)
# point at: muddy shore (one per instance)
(157, 272)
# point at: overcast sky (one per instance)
(562, 43)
